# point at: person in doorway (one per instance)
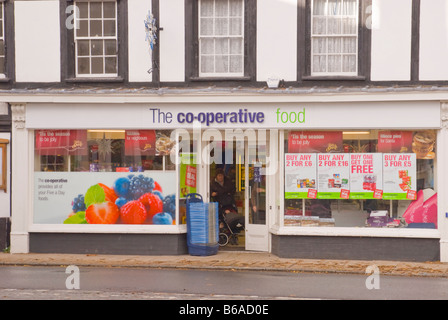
(222, 190)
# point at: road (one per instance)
(50, 283)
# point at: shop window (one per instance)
(372, 178)
(104, 177)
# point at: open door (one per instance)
(257, 236)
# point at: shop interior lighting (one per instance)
(356, 132)
(106, 131)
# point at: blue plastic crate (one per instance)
(202, 226)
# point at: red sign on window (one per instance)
(395, 141)
(345, 194)
(61, 142)
(378, 194)
(312, 194)
(315, 141)
(190, 176)
(140, 142)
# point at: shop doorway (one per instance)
(237, 167)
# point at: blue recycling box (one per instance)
(202, 226)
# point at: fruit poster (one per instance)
(399, 176)
(104, 197)
(333, 174)
(300, 175)
(366, 175)
(188, 174)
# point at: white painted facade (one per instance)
(38, 60)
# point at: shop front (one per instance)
(323, 180)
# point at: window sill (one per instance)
(334, 78)
(207, 79)
(94, 80)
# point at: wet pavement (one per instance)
(230, 260)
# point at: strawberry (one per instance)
(152, 203)
(102, 213)
(157, 187)
(133, 212)
(109, 192)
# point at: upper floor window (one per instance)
(221, 38)
(334, 37)
(95, 37)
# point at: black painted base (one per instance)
(109, 243)
(356, 248)
(5, 230)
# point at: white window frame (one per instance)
(90, 38)
(200, 37)
(326, 35)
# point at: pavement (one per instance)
(229, 260)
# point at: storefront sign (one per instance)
(61, 142)
(300, 175)
(333, 176)
(399, 176)
(315, 141)
(220, 113)
(366, 175)
(140, 142)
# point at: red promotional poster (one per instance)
(140, 142)
(345, 194)
(378, 194)
(315, 141)
(395, 141)
(61, 142)
(312, 193)
(190, 176)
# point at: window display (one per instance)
(375, 178)
(104, 177)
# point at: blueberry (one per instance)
(121, 202)
(121, 186)
(162, 218)
(169, 204)
(159, 194)
(78, 204)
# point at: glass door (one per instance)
(257, 238)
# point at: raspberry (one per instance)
(102, 213)
(133, 212)
(152, 203)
